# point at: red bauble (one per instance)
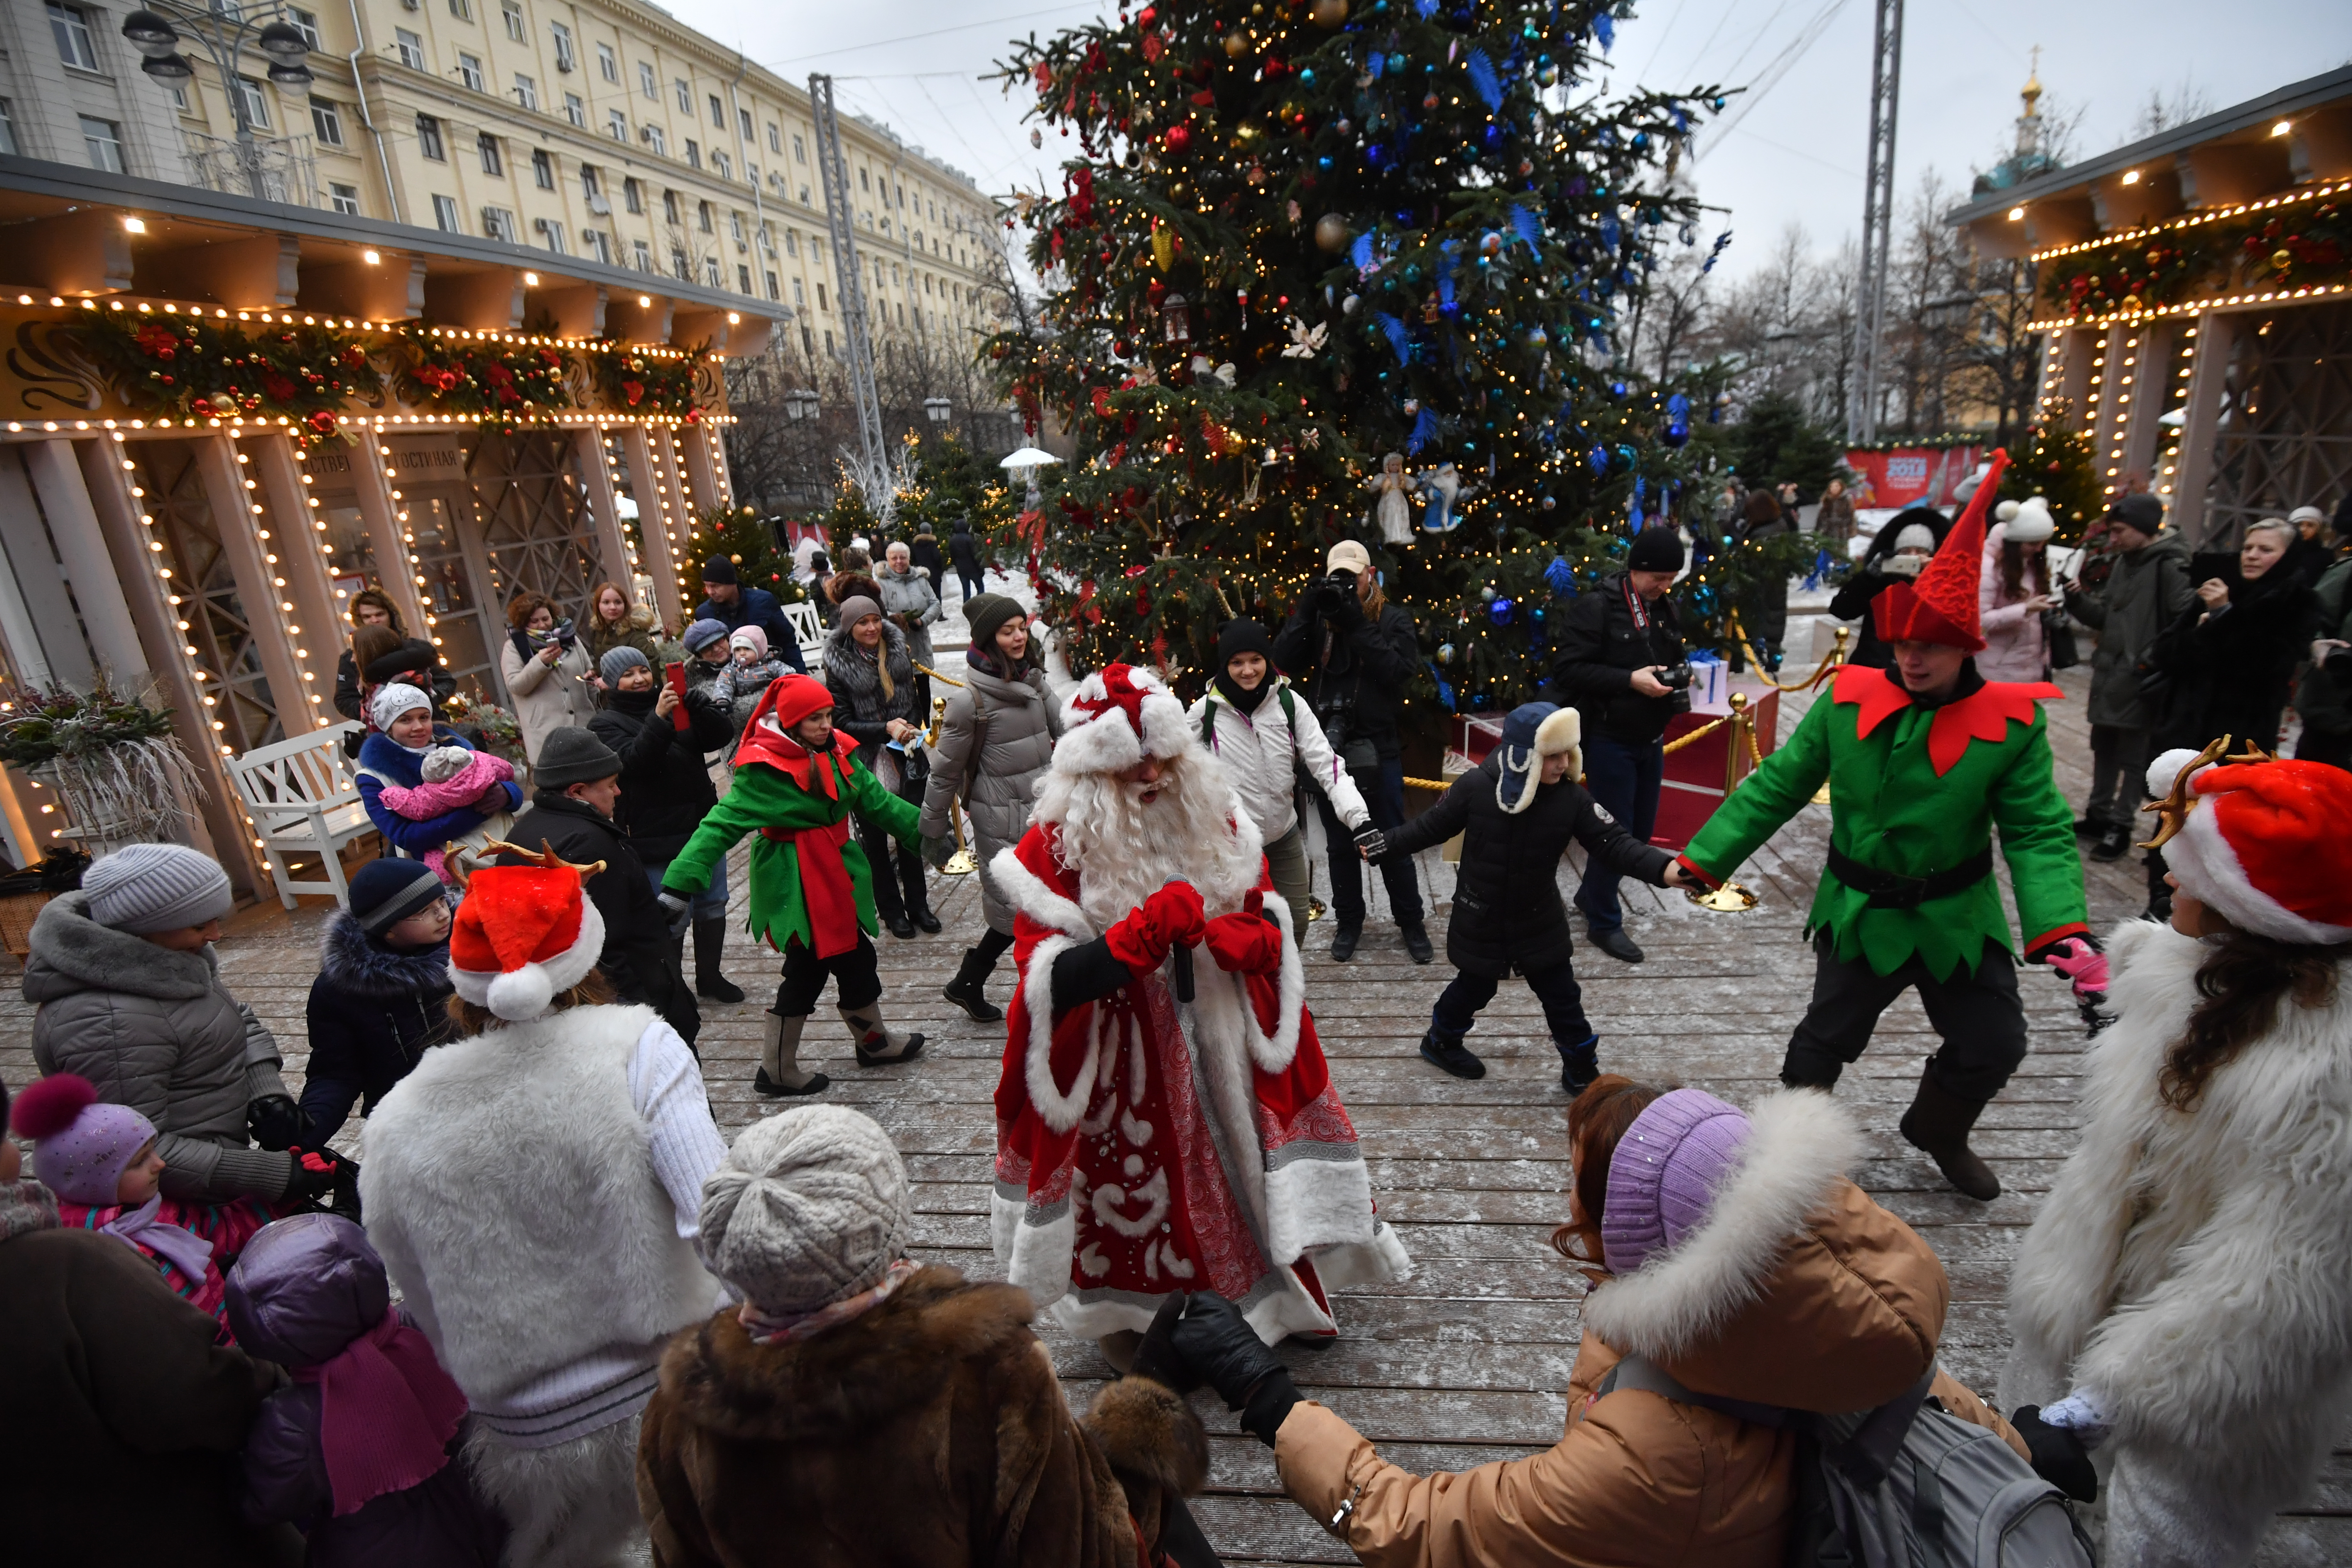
(1147, 18)
(1179, 138)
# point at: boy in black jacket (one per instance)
(1517, 812)
(379, 999)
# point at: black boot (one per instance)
(1580, 1064)
(1448, 1053)
(967, 989)
(710, 943)
(1344, 940)
(2112, 843)
(1939, 1123)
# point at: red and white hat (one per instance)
(2263, 843)
(1115, 716)
(522, 934)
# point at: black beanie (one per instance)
(718, 569)
(1655, 550)
(1244, 636)
(986, 614)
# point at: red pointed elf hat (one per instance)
(1941, 607)
(522, 934)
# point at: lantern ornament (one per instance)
(1175, 319)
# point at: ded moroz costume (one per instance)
(1165, 1119)
(1917, 784)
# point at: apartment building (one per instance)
(604, 129)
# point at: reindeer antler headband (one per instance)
(546, 858)
(2172, 811)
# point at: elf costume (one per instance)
(811, 888)
(1917, 785)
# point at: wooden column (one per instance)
(218, 828)
(604, 509)
(2074, 381)
(2114, 376)
(73, 524)
(685, 548)
(647, 487)
(2143, 401)
(296, 531)
(372, 489)
(257, 580)
(43, 635)
(2216, 342)
(705, 471)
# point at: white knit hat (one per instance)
(1115, 716)
(2030, 523)
(144, 888)
(392, 700)
(809, 1208)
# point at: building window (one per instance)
(428, 142)
(645, 81)
(800, 151)
(7, 128)
(567, 58)
(608, 64)
(410, 47)
(773, 291)
(775, 139)
(617, 124)
(657, 139)
(693, 153)
(742, 278)
(863, 182)
(793, 243)
(670, 208)
(498, 224)
(574, 110)
(179, 91)
(526, 92)
(551, 235)
(633, 194)
(256, 102)
(735, 230)
(543, 169)
(702, 217)
(821, 305)
(103, 137)
(710, 278)
(598, 247)
(512, 16)
(462, 9)
(590, 185)
(346, 199)
(800, 295)
(677, 266)
(307, 24)
(444, 215)
(743, 123)
(645, 256)
(828, 343)
(71, 26)
(804, 197)
(720, 166)
(326, 122)
(469, 71)
(718, 113)
(684, 96)
(493, 165)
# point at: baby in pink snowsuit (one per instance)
(454, 777)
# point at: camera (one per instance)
(1675, 677)
(1335, 592)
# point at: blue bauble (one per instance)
(1499, 611)
(1396, 62)
(1598, 457)
(1307, 76)
(1323, 163)
(1616, 389)
(1678, 424)
(1376, 155)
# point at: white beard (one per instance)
(1125, 850)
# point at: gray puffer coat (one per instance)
(995, 742)
(2143, 595)
(157, 1031)
(911, 595)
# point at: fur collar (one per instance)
(1799, 1143)
(350, 961)
(71, 951)
(848, 1380)
(26, 1207)
(851, 672)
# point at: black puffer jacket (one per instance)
(1354, 668)
(1600, 648)
(373, 1013)
(665, 787)
(638, 960)
(1507, 912)
(2228, 673)
(1871, 578)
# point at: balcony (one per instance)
(270, 168)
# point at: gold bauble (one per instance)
(1331, 232)
(2282, 259)
(1327, 13)
(1236, 46)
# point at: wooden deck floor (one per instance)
(1465, 1363)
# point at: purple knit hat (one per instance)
(1663, 1178)
(81, 1145)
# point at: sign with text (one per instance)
(1912, 476)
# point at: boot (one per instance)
(1344, 940)
(1416, 942)
(1448, 1053)
(1939, 1123)
(709, 942)
(917, 896)
(780, 1070)
(1580, 1064)
(877, 1043)
(2113, 842)
(966, 990)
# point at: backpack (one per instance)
(1905, 1485)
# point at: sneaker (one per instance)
(1343, 943)
(2113, 842)
(1448, 1054)
(1416, 942)
(1612, 941)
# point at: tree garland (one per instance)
(648, 385)
(206, 369)
(2264, 250)
(505, 386)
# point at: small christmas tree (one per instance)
(748, 540)
(2055, 461)
(1325, 270)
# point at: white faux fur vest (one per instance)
(2195, 1268)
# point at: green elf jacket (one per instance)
(1916, 791)
(763, 796)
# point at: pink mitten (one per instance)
(2083, 964)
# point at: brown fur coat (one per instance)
(931, 1431)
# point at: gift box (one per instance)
(1698, 775)
(1710, 685)
(1476, 734)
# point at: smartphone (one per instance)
(676, 675)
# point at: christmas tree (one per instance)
(2055, 461)
(1320, 271)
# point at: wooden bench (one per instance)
(808, 629)
(303, 800)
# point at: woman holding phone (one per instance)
(660, 736)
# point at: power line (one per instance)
(931, 33)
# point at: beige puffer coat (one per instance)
(995, 742)
(157, 1031)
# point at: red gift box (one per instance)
(1696, 774)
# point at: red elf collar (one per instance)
(1982, 715)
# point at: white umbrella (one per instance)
(1028, 457)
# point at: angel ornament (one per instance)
(1306, 341)
(1390, 509)
(1443, 493)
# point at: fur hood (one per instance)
(352, 963)
(849, 1380)
(1798, 1290)
(71, 951)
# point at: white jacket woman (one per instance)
(1266, 737)
(2188, 1283)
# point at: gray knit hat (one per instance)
(702, 633)
(571, 756)
(810, 1208)
(147, 887)
(619, 661)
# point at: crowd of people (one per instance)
(549, 1309)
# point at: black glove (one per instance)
(316, 1174)
(1374, 844)
(277, 1123)
(1156, 1357)
(2059, 1457)
(1218, 1347)
(346, 1201)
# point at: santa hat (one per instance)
(1941, 606)
(522, 934)
(2263, 842)
(1117, 716)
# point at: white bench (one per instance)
(808, 629)
(303, 800)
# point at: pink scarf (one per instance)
(386, 1412)
(784, 1328)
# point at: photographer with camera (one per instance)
(1353, 653)
(1621, 667)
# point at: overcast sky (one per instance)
(1796, 157)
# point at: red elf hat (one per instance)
(1941, 607)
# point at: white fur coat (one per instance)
(2195, 1268)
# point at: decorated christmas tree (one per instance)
(2056, 462)
(1347, 268)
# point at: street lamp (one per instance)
(936, 409)
(801, 404)
(223, 28)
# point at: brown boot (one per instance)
(1939, 1123)
(877, 1043)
